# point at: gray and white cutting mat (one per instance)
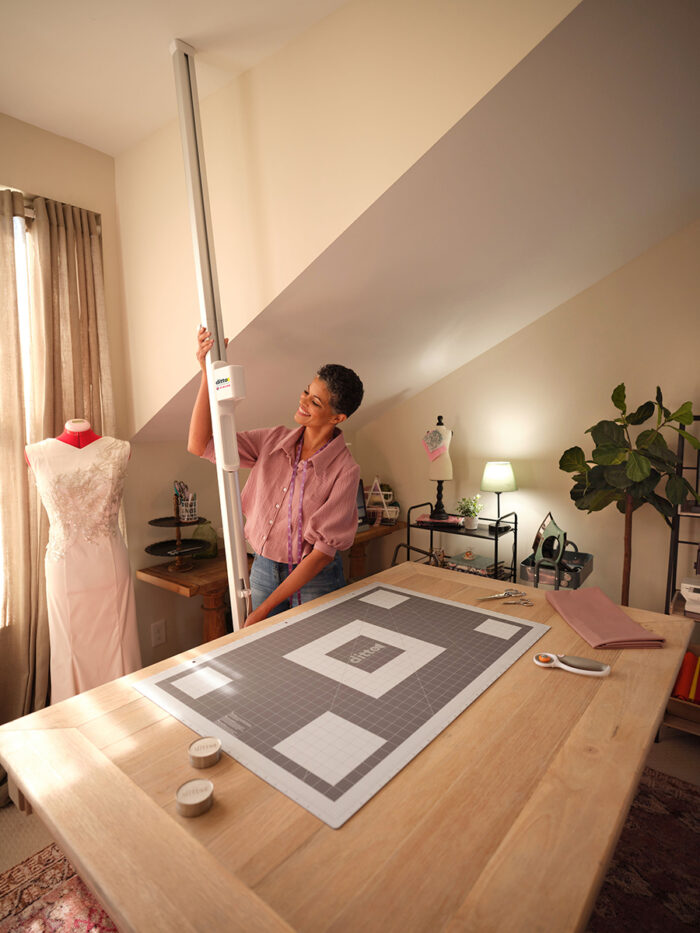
(330, 705)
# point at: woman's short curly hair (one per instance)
(345, 387)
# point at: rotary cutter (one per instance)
(572, 664)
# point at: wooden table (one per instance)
(505, 822)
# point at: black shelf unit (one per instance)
(182, 549)
(489, 529)
(680, 517)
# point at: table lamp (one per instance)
(498, 477)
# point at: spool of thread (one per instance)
(194, 797)
(204, 752)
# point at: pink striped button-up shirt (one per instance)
(329, 508)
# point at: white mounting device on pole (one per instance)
(226, 382)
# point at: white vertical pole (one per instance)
(219, 374)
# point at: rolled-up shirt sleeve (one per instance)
(249, 446)
(333, 526)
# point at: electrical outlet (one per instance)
(158, 633)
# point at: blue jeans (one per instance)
(266, 575)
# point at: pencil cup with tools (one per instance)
(187, 502)
(188, 509)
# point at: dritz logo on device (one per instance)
(223, 382)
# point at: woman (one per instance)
(300, 498)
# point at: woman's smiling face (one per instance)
(315, 409)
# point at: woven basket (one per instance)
(380, 516)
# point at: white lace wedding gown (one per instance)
(92, 615)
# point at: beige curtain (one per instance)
(68, 288)
(70, 378)
(24, 647)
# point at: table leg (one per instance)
(17, 797)
(357, 566)
(214, 611)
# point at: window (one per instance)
(21, 246)
(22, 276)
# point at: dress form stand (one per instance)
(437, 511)
(437, 442)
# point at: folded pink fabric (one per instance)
(597, 619)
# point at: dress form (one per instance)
(91, 609)
(441, 466)
(437, 443)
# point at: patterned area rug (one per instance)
(652, 884)
(43, 894)
(653, 880)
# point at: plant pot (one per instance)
(471, 522)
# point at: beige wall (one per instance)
(535, 395)
(43, 164)
(296, 149)
(148, 494)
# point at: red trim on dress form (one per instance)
(78, 438)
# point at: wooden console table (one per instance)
(207, 579)
(357, 553)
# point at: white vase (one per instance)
(471, 522)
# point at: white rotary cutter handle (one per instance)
(572, 664)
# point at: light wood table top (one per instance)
(505, 822)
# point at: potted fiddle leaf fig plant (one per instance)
(631, 472)
(470, 507)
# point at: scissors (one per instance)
(506, 594)
(520, 601)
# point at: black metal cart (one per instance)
(489, 529)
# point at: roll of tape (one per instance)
(204, 752)
(194, 797)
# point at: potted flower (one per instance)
(470, 507)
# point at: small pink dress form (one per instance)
(92, 614)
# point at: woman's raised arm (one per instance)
(200, 422)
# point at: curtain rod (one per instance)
(30, 213)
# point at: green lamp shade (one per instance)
(498, 477)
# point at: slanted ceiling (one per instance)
(582, 157)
